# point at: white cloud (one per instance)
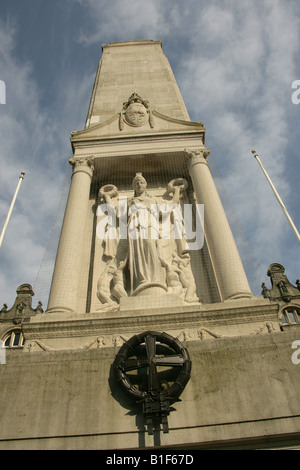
(241, 63)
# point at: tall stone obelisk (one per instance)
(137, 122)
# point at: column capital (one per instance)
(85, 164)
(197, 155)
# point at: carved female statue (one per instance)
(144, 262)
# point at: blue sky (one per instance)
(234, 62)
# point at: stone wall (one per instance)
(241, 390)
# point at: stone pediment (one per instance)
(118, 126)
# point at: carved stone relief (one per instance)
(117, 340)
(144, 245)
(135, 112)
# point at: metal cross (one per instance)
(152, 362)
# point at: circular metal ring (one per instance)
(130, 357)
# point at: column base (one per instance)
(240, 295)
(60, 309)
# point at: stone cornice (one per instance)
(164, 144)
(106, 140)
(92, 324)
(109, 131)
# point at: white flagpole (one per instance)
(11, 207)
(277, 196)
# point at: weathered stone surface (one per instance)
(242, 390)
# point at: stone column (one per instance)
(65, 281)
(229, 271)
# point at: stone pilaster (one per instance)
(229, 271)
(65, 281)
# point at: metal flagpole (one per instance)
(277, 196)
(11, 207)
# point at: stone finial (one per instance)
(281, 289)
(22, 307)
(135, 98)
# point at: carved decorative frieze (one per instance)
(117, 339)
